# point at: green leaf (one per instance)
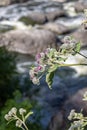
(49, 78)
(78, 47)
(51, 53)
(53, 68)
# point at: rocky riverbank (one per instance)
(28, 27)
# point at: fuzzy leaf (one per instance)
(53, 68)
(49, 78)
(78, 47)
(51, 53)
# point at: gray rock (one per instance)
(28, 41)
(56, 28)
(56, 122)
(17, 1)
(40, 17)
(81, 35)
(7, 2)
(52, 15)
(75, 102)
(4, 2)
(80, 6)
(61, 1)
(34, 18)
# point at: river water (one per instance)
(11, 14)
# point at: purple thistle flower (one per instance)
(39, 68)
(47, 51)
(36, 69)
(38, 56)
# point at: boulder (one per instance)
(17, 1)
(7, 2)
(61, 1)
(4, 2)
(80, 6)
(56, 28)
(81, 35)
(41, 17)
(28, 41)
(76, 102)
(56, 122)
(52, 15)
(34, 18)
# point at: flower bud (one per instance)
(67, 39)
(72, 114)
(47, 51)
(10, 113)
(35, 80)
(31, 73)
(14, 110)
(38, 56)
(42, 55)
(18, 123)
(7, 117)
(22, 111)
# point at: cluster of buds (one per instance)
(20, 122)
(22, 111)
(79, 121)
(35, 73)
(43, 60)
(50, 58)
(70, 46)
(72, 114)
(11, 114)
(77, 125)
(75, 115)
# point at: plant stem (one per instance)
(25, 126)
(82, 55)
(61, 65)
(22, 128)
(22, 123)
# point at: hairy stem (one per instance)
(82, 55)
(22, 128)
(61, 65)
(25, 126)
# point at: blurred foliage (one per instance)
(5, 28)
(27, 21)
(8, 81)
(19, 102)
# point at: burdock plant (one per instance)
(20, 120)
(51, 59)
(47, 63)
